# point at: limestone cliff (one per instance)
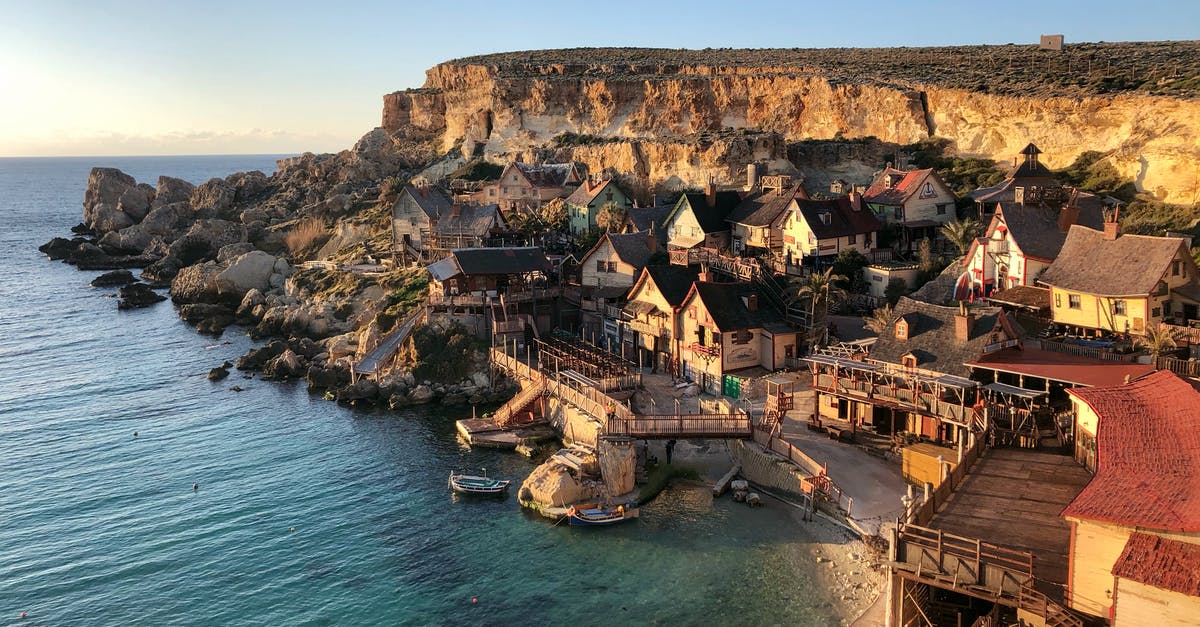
(514, 103)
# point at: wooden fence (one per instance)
(1182, 367)
(1092, 352)
(921, 514)
(817, 481)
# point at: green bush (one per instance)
(443, 354)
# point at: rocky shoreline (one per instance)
(232, 251)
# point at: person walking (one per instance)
(670, 449)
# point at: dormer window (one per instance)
(901, 329)
(908, 360)
(825, 218)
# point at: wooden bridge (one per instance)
(372, 363)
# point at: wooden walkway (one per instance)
(371, 363)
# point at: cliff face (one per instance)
(1151, 139)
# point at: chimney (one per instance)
(704, 275)
(855, 200)
(751, 176)
(710, 192)
(1067, 216)
(963, 322)
(651, 240)
(1112, 228)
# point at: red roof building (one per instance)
(1161, 562)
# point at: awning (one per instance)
(1012, 390)
(637, 308)
(445, 269)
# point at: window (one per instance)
(825, 218)
(852, 238)
(1058, 300)
(1166, 307)
(601, 266)
(1118, 308)
(1156, 312)
(612, 266)
(909, 361)
(1073, 301)
(491, 191)
(898, 213)
(941, 210)
(742, 336)
(608, 196)
(1175, 266)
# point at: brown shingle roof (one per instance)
(1160, 562)
(546, 174)
(1130, 265)
(1036, 230)
(711, 219)
(432, 200)
(642, 218)
(883, 194)
(632, 248)
(843, 219)
(1147, 455)
(727, 309)
(673, 281)
(931, 337)
(469, 220)
(588, 191)
(482, 261)
(764, 208)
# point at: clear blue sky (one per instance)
(175, 77)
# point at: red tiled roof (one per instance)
(1160, 562)
(1147, 455)
(880, 193)
(1035, 362)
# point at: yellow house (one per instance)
(816, 228)
(1130, 525)
(756, 225)
(726, 332)
(649, 312)
(1122, 283)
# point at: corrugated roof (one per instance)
(1147, 455)
(1130, 265)
(931, 337)
(1035, 362)
(547, 174)
(484, 261)
(470, 220)
(1160, 562)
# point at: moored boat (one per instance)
(594, 514)
(476, 484)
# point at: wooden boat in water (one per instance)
(476, 484)
(595, 515)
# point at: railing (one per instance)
(507, 414)
(923, 513)
(867, 391)
(1183, 367)
(1016, 563)
(818, 480)
(1191, 334)
(1092, 352)
(479, 300)
(682, 425)
(371, 362)
(1034, 601)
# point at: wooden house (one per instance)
(728, 335)
(483, 273)
(819, 228)
(606, 272)
(651, 219)
(756, 224)
(916, 202)
(584, 204)
(465, 226)
(1022, 240)
(1028, 181)
(650, 312)
(1106, 281)
(698, 220)
(416, 210)
(525, 187)
(1135, 528)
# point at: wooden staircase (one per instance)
(1034, 601)
(516, 411)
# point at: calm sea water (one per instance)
(99, 527)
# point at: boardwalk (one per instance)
(370, 364)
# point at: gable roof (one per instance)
(1160, 562)
(672, 281)
(843, 219)
(711, 219)
(1130, 265)
(727, 309)
(764, 208)
(643, 218)
(1029, 167)
(633, 248)
(931, 337)
(881, 193)
(431, 199)
(1036, 229)
(1147, 454)
(469, 220)
(589, 190)
(547, 174)
(485, 261)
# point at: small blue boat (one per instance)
(476, 484)
(596, 515)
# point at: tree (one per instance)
(896, 288)
(554, 214)
(881, 319)
(611, 216)
(962, 233)
(1159, 338)
(850, 263)
(817, 288)
(925, 259)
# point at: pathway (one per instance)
(370, 363)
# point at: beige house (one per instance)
(1135, 528)
(525, 187)
(819, 228)
(616, 260)
(917, 202)
(756, 225)
(650, 313)
(1107, 281)
(727, 337)
(698, 220)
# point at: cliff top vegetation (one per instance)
(1167, 68)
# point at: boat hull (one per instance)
(584, 516)
(470, 484)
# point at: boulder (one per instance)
(480, 379)
(215, 194)
(552, 484)
(129, 240)
(194, 313)
(171, 190)
(196, 284)
(218, 373)
(61, 248)
(230, 252)
(250, 271)
(247, 185)
(421, 394)
(396, 401)
(135, 203)
(136, 296)
(163, 271)
(363, 390)
(739, 485)
(256, 358)
(105, 186)
(254, 215)
(114, 278)
(87, 256)
(204, 238)
(168, 221)
(252, 303)
(455, 398)
(343, 345)
(325, 378)
(106, 217)
(287, 365)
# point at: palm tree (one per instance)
(1159, 338)
(881, 319)
(818, 287)
(611, 216)
(961, 234)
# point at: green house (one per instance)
(584, 204)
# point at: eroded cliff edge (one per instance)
(641, 105)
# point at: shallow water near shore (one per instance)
(99, 526)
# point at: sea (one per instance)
(306, 512)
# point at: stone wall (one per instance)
(767, 470)
(574, 425)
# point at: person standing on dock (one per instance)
(670, 449)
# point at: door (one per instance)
(732, 387)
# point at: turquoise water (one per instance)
(99, 527)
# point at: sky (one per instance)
(215, 77)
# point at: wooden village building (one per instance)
(498, 292)
(1135, 527)
(464, 226)
(1028, 181)
(606, 272)
(1105, 281)
(415, 212)
(756, 224)
(698, 220)
(526, 187)
(650, 313)
(915, 202)
(584, 204)
(824, 228)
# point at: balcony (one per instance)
(651, 329)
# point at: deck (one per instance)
(1013, 498)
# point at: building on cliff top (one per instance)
(1135, 528)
